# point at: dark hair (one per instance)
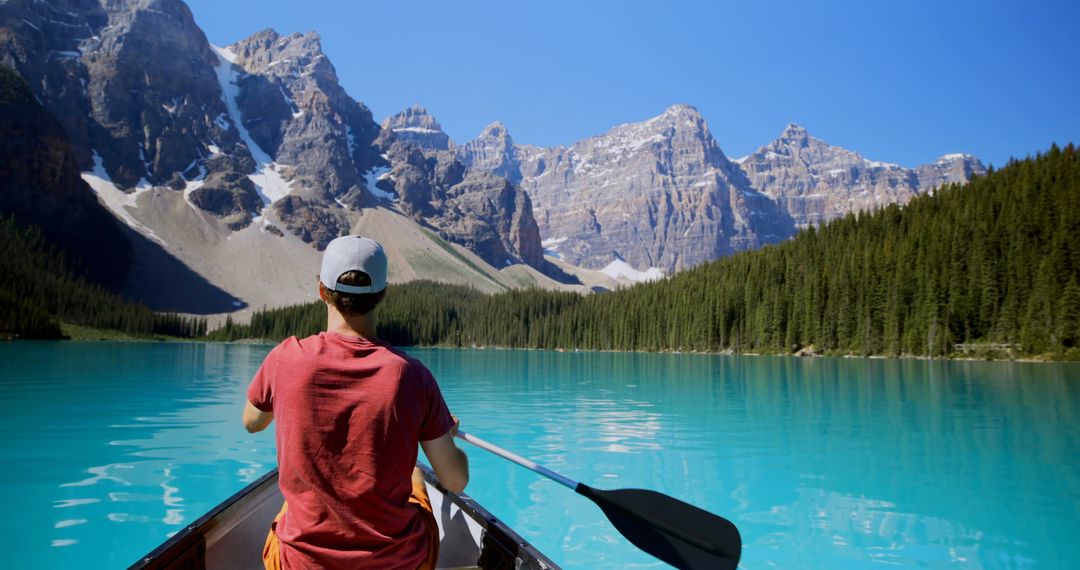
(355, 304)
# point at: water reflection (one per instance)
(862, 529)
(131, 442)
(823, 463)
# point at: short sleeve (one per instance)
(437, 419)
(261, 390)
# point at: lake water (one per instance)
(822, 463)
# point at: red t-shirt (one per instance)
(350, 413)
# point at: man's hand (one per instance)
(256, 419)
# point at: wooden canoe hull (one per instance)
(231, 536)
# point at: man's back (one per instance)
(350, 415)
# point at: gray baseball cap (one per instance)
(353, 253)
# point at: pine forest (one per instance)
(39, 290)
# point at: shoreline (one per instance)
(109, 336)
(1043, 359)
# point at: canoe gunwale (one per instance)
(180, 545)
(497, 534)
(502, 547)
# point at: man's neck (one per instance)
(362, 326)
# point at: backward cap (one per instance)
(353, 253)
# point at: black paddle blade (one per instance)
(673, 531)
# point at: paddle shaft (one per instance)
(526, 463)
(612, 506)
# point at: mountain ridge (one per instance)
(257, 143)
(567, 196)
(815, 181)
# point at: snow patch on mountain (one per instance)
(118, 202)
(621, 269)
(372, 177)
(193, 185)
(954, 156)
(551, 246)
(416, 130)
(879, 164)
(268, 181)
(553, 243)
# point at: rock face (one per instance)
(188, 143)
(134, 82)
(298, 113)
(654, 194)
(493, 151)
(303, 121)
(40, 185)
(949, 169)
(486, 213)
(414, 125)
(816, 182)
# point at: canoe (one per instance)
(231, 536)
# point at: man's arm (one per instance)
(451, 465)
(256, 419)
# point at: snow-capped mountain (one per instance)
(235, 159)
(242, 160)
(816, 182)
(134, 84)
(656, 194)
(652, 194)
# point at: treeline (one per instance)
(302, 320)
(38, 291)
(995, 262)
(414, 313)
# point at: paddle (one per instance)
(673, 531)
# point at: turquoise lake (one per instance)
(822, 463)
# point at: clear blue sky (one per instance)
(898, 81)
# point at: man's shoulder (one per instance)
(294, 347)
(290, 344)
(409, 365)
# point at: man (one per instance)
(350, 413)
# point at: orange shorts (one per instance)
(419, 497)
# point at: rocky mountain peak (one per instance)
(679, 128)
(816, 181)
(415, 125)
(416, 116)
(957, 156)
(493, 151)
(794, 134)
(309, 130)
(485, 213)
(949, 169)
(293, 56)
(796, 148)
(495, 130)
(679, 117)
(681, 110)
(136, 90)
